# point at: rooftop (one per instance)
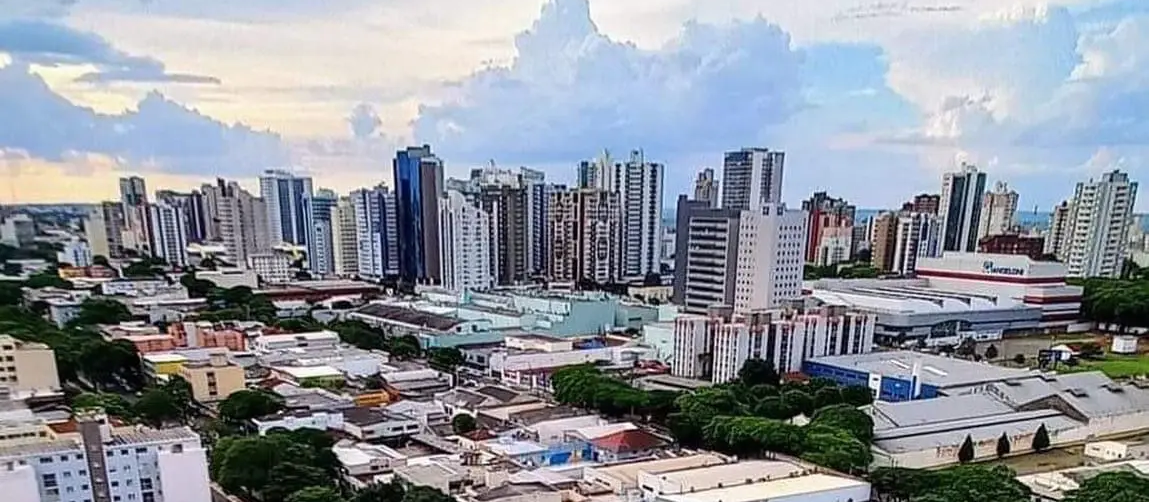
(1091, 394)
(410, 316)
(939, 371)
(628, 473)
(771, 490)
(628, 441)
(309, 371)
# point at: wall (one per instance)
(661, 337)
(184, 476)
(36, 369)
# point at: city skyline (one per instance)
(848, 97)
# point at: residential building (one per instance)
(835, 242)
(105, 463)
(344, 233)
(213, 380)
(76, 253)
(916, 235)
(17, 230)
(27, 368)
(538, 210)
(825, 211)
(598, 174)
(321, 245)
(238, 219)
(1057, 238)
(998, 211)
(507, 206)
(288, 199)
(706, 255)
(584, 229)
(465, 245)
(706, 188)
(315, 340)
(103, 229)
(193, 206)
(1033, 247)
(418, 188)
(1098, 228)
(924, 203)
(752, 177)
(640, 186)
(272, 267)
(376, 232)
(134, 206)
(771, 257)
(167, 233)
(883, 241)
(961, 207)
(374, 424)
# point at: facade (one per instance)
(752, 177)
(289, 207)
(272, 267)
(835, 241)
(168, 233)
(884, 241)
(706, 187)
(924, 203)
(771, 257)
(344, 233)
(824, 211)
(538, 211)
(1058, 234)
(213, 380)
(706, 255)
(418, 188)
(584, 229)
(29, 368)
(103, 229)
(960, 211)
(76, 253)
(321, 245)
(916, 236)
(238, 219)
(1033, 247)
(193, 206)
(640, 188)
(1098, 228)
(465, 245)
(134, 207)
(998, 211)
(783, 480)
(376, 232)
(508, 207)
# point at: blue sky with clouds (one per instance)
(871, 100)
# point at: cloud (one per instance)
(158, 133)
(572, 90)
(364, 120)
(48, 43)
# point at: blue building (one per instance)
(904, 375)
(418, 188)
(289, 207)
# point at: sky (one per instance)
(872, 100)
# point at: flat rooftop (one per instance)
(771, 490)
(628, 472)
(938, 371)
(410, 316)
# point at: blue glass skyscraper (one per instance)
(418, 188)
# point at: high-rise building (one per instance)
(466, 244)
(321, 248)
(752, 177)
(344, 233)
(239, 220)
(376, 232)
(538, 198)
(960, 210)
(584, 225)
(1058, 233)
(706, 187)
(835, 240)
(193, 206)
(289, 211)
(507, 207)
(824, 210)
(640, 187)
(1098, 230)
(924, 203)
(706, 255)
(998, 211)
(598, 174)
(916, 236)
(883, 241)
(418, 188)
(103, 229)
(134, 201)
(168, 233)
(771, 257)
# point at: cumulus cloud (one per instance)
(364, 120)
(158, 133)
(571, 90)
(50, 43)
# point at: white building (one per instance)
(706, 187)
(917, 236)
(105, 463)
(835, 245)
(134, 208)
(288, 201)
(345, 236)
(273, 267)
(239, 219)
(103, 229)
(998, 211)
(641, 185)
(168, 233)
(960, 210)
(315, 340)
(1097, 233)
(376, 232)
(771, 257)
(465, 246)
(321, 246)
(752, 177)
(17, 230)
(76, 253)
(1058, 234)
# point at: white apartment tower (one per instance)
(344, 233)
(321, 246)
(289, 213)
(134, 204)
(641, 192)
(998, 211)
(771, 257)
(376, 232)
(465, 246)
(1098, 231)
(1058, 233)
(916, 236)
(960, 211)
(752, 177)
(168, 233)
(239, 219)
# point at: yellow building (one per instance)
(27, 368)
(214, 379)
(157, 366)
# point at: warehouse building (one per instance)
(906, 375)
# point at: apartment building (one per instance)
(963, 193)
(1098, 229)
(27, 368)
(465, 247)
(214, 379)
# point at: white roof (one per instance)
(309, 371)
(514, 448)
(164, 358)
(599, 431)
(315, 335)
(770, 490)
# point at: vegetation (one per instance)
(1114, 366)
(857, 270)
(463, 423)
(1003, 446)
(1120, 302)
(1041, 439)
(965, 483)
(966, 452)
(1111, 487)
(242, 406)
(446, 359)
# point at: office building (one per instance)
(640, 188)
(960, 210)
(418, 188)
(706, 255)
(321, 247)
(103, 229)
(466, 245)
(998, 211)
(584, 230)
(239, 219)
(507, 205)
(289, 208)
(825, 211)
(134, 204)
(924, 203)
(1058, 234)
(376, 232)
(752, 177)
(29, 368)
(706, 187)
(1098, 230)
(104, 463)
(1033, 247)
(344, 233)
(167, 233)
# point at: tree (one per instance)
(1041, 439)
(758, 371)
(101, 260)
(288, 479)
(10, 294)
(857, 423)
(973, 483)
(446, 358)
(98, 311)
(156, 408)
(857, 395)
(828, 396)
(1090, 350)
(403, 347)
(244, 405)
(47, 279)
(966, 347)
(798, 402)
(463, 423)
(991, 353)
(113, 404)
(966, 453)
(897, 484)
(197, 288)
(1112, 487)
(381, 492)
(652, 279)
(836, 449)
(1003, 445)
(1019, 359)
(144, 268)
(12, 269)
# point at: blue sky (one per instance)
(871, 100)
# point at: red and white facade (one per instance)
(1020, 278)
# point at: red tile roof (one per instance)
(628, 441)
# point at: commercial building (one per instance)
(103, 229)
(344, 233)
(1033, 247)
(905, 375)
(640, 187)
(960, 210)
(1059, 485)
(376, 232)
(998, 211)
(1098, 228)
(213, 380)
(28, 368)
(771, 257)
(714, 347)
(752, 177)
(706, 255)
(289, 207)
(272, 267)
(167, 233)
(706, 188)
(465, 247)
(418, 176)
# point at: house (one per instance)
(374, 424)
(625, 445)
(470, 401)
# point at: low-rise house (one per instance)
(470, 401)
(300, 419)
(625, 445)
(374, 424)
(362, 462)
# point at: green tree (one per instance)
(828, 396)
(10, 294)
(143, 268)
(991, 352)
(197, 288)
(242, 406)
(1112, 487)
(113, 404)
(101, 260)
(1019, 359)
(1041, 439)
(463, 423)
(1003, 445)
(857, 423)
(966, 452)
(47, 279)
(381, 492)
(12, 269)
(445, 358)
(758, 372)
(110, 364)
(403, 347)
(426, 494)
(897, 484)
(973, 483)
(287, 479)
(99, 311)
(836, 449)
(857, 395)
(157, 407)
(316, 494)
(798, 402)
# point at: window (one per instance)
(49, 480)
(46, 460)
(145, 483)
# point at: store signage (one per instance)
(990, 268)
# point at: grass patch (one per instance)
(1113, 366)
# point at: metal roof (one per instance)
(938, 371)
